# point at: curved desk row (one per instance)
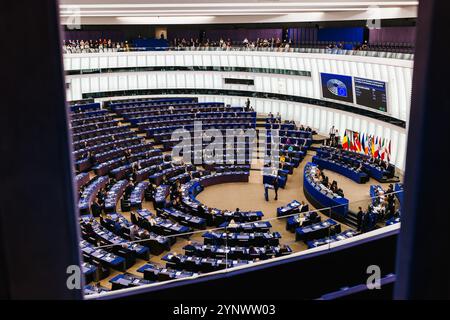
(114, 194)
(152, 102)
(346, 171)
(318, 196)
(338, 237)
(215, 216)
(89, 194)
(199, 264)
(82, 179)
(244, 124)
(242, 253)
(190, 116)
(137, 195)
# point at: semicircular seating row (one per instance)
(117, 165)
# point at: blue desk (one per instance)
(393, 221)
(82, 179)
(153, 272)
(162, 226)
(137, 195)
(152, 102)
(291, 208)
(345, 170)
(398, 188)
(338, 237)
(85, 107)
(308, 218)
(231, 252)
(314, 194)
(124, 281)
(108, 260)
(248, 227)
(114, 194)
(242, 239)
(199, 264)
(317, 231)
(89, 194)
(185, 218)
(161, 193)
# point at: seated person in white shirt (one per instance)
(152, 221)
(232, 224)
(360, 168)
(301, 219)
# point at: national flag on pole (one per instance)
(355, 141)
(388, 153)
(345, 145)
(368, 144)
(351, 145)
(382, 150)
(363, 144)
(358, 143)
(377, 148)
(372, 149)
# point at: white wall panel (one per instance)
(122, 61)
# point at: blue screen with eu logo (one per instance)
(337, 87)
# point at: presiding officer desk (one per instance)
(371, 165)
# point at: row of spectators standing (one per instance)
(100, 45)
(228, 43)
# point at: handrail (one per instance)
(364, 53)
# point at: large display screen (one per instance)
(337, 87)
(371, 93)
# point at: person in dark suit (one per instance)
(201, 211)
(117, 227)
(101, 196)
(252, 250)
(134, 218)
(359, 218)
(88, 229)
(189, 246)
(150, 192)
(96, 208)
(275, 187)
(325, 180)
(129, 189)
